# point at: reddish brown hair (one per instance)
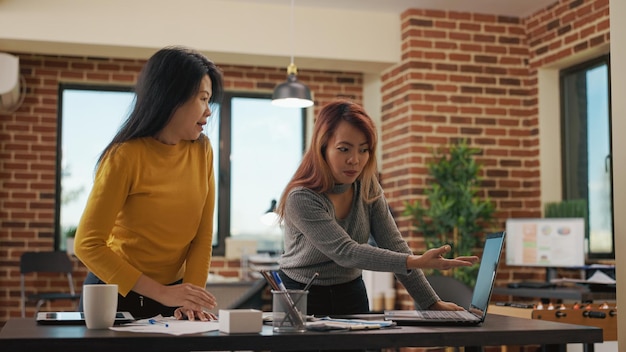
(314, 172)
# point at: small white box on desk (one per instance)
(237, 321)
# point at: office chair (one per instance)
(46, 262)
(450, 289)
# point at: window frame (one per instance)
(224, 172)
(59, 146)
(565, 147)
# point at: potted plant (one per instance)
(453, 213)
(70, 233)
(571, 208)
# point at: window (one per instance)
(260, 148)
(257, 148)
(89, 118)
(586, 149)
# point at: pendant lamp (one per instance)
(292, 93)
(270, 217)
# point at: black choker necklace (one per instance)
(340, 188)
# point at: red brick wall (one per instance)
(474, 76)
(28, 154)
(570, 27)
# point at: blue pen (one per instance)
(154, 321)
(279, 282)
(294, 312)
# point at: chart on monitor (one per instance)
(550, 243)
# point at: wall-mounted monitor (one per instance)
(549, 242)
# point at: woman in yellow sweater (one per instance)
(148, 223)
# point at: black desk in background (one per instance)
(25, 335)
(578, 293)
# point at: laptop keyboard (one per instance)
(448, 315)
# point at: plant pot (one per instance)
(69, 245)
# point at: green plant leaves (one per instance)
(452, 205)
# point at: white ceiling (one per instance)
(256, 29)
(516, 8)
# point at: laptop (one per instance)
(477, 311)
(76, 318)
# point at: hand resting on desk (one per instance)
(190, 299)
(443, 305)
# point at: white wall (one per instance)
(229, 32)
(618, 102)
(549, 135)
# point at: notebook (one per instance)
(477, 311)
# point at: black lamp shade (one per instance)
(292, 94)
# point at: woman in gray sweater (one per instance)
(331, 207)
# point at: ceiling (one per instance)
(516, 8)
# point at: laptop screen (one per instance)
(487, 273)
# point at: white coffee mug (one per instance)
(99, 305)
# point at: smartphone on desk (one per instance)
(76, 318)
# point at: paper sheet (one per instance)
(598, 277)
(168, 325)
(327, 323)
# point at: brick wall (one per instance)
(28, 154)
(474, 76)
(568, 28)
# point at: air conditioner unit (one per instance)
(9, 82)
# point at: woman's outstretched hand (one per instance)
(434, 259)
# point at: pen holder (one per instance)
(289, 310)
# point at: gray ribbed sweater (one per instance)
(338, 249)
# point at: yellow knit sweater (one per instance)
(150, 211)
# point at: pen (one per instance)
(278, 281)
(308, 284)
(306, 287)
(154, 322)
(270, 280)
(294, 314)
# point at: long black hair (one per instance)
(168, 79)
